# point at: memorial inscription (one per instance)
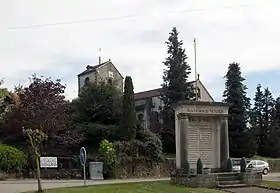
(200, 140)
(205, 110)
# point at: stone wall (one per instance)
(213, 180)
(195, 181)
(160, 170)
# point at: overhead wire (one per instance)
(121, 17)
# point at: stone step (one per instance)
(228, 178)
(229, 182)
(233, 186)
(228, 174)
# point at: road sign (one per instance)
(83, 160)
(83, 156)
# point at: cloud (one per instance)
(246, 34)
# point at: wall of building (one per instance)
(82, 78)
(103, 74)
(204, 95)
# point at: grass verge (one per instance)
(271, 184)
(145, 187)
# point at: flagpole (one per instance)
(99, 56)
(195, 70)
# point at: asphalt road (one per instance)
(17, 186)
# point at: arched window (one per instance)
(87, 81)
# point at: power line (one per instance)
(120, 17)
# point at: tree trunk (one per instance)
(40, 189)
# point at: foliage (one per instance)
(174, 87)
(153, 144)
(11, 158)
(42, 104)
(146, 148)
(98, 103)
(199, 166)
(229, 165)
(235, 95)
(35, 137)
(107, 150)
(273, 141)
(94, 133)
(243, 164)
(129, 121)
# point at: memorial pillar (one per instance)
(183, 125)
(224, 142)
(218, 143)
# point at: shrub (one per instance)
(199, 166)
(243, 164)
(107, 150)
(229, 165)
(151, 143)
(11, 158)
(186, 167)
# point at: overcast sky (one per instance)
(132, 34)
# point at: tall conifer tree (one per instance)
(235, 95)
(174, 87)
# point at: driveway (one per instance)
(17, 186)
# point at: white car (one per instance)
(254, 165)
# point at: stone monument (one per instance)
(201, 130)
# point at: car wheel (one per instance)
(265, 171)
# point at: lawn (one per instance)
(146, 187)
(271, 184)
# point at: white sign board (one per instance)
(48, 162)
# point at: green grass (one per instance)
(271, 184)
(146, 187)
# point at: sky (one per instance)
(133, 33)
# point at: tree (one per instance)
(129, 121)
(174, 87)
(235, 95)
(42, 105)
(256, 116)
(97, 112)
(267, 122)
(35, 137)
(273, 141)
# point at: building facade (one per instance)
(148, 105)
(105, 71)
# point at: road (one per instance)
(17, 186)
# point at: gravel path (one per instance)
(251, 190)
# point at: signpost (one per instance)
(83, 160)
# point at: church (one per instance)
(147, 103)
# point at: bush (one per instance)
(229, 165)
(243, 164)
(107, 150)
(199, 166)
(151, 144)
(186, 167)
(11, 158)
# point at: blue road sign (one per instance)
(83, 156)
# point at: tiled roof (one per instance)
(92, 68)
(147, 94)
(150, 93)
